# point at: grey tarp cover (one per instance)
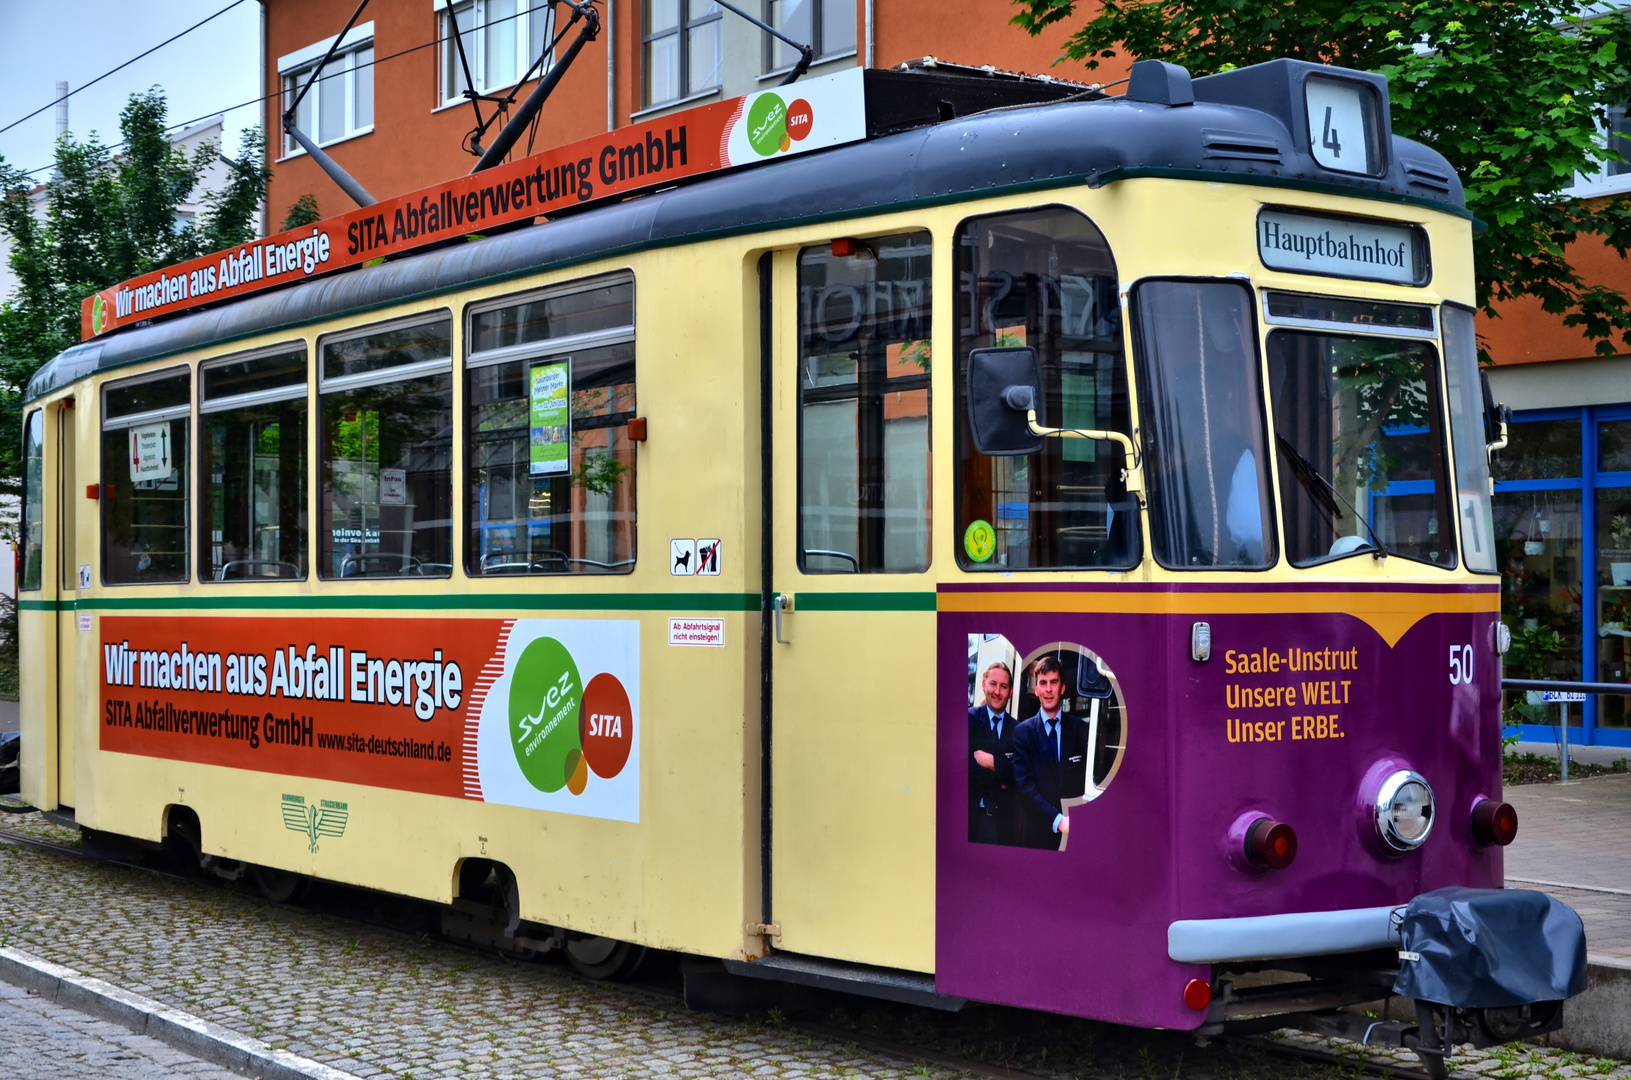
(1491, 948)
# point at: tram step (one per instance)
(889, 984)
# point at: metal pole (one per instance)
(1563, 713)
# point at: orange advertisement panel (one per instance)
(742, 131)
(539, 713)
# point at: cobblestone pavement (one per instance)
(1574, 835)
(39, 1039)
(382, 1003)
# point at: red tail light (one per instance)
(1271, 844)
(1198, 994)
(1494, 823)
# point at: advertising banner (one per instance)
(810, 115)
(541, 713)
(551, 418)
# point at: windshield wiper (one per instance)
(1325, 493)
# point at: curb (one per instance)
(144, 1016)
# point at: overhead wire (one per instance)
(437, 40)
(121, 67)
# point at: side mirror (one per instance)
(1003, 384)
(1495, 417)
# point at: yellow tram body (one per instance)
(854, 736)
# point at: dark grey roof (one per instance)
(1032, 147)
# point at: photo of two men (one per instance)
(1032, 755)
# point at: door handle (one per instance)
(783, 602)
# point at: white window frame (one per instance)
(1600, 183)
(296, 67)
(824, 50)
(711, 19)
(448, 92)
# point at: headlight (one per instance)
(1404, 810)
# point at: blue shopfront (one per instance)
(1563, 540)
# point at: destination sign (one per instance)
(810, 115)
(1342, 247)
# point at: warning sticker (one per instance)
(697, 632)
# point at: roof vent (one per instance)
(1239, 146)
(1428, 176)
(1160, 83)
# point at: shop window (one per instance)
(145, 424)
(827, 26)
(252, 454)
(340, 104)
(502, 39)
(864, 361)
(1203, 426)
(1045, 278)
(682, 48)
(550, 392)
(1538, 450)
(386, 448)
(1614, 598)
(1614, 446)
(1538, 545)
(33, 499)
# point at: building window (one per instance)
(827, 25)
(550, 392)
(340, 104)
(33, 499)
(386, 447)
(864, 357)
(1610, 177)
(252, 447)
(502, 39)
(682, 48)
(144, 479)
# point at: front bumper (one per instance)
(1279, 937)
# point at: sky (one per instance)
(215, 66)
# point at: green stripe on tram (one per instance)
(500, 602)
(864, 601)
(709, 601)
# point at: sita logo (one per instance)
(562, 730)
(774, 125)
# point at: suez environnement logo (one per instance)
(562, 730)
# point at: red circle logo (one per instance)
(607, 725)
(800, 119)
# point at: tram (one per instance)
(985, 541)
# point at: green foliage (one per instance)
(1533, 647)
(303, 211)
(1510, 93)
(107, 218)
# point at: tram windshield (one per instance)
(1360, 447)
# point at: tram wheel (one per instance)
(280, 886)
(603, 958)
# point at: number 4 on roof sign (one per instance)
(708, 558)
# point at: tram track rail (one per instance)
(914, 1055)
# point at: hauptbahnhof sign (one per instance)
(812, 115)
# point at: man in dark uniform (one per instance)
(990, 761)
(1051, 753)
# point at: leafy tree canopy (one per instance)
(1511, 93)
(107, 218)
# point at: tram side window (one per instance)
(864, 405)
(1201, 397)
(1466, 395)
(549, 395)
(1045, 278)
(252, 452)
(386, 445)
(145, 425)
(1361, 447)
(33, 499)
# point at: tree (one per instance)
(108, 218)
(303, 211)
(1513, 94)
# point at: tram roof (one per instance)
(1006, 150)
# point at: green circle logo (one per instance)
(767, 124)
(98, 312)
(545, 694)
(980, 540)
